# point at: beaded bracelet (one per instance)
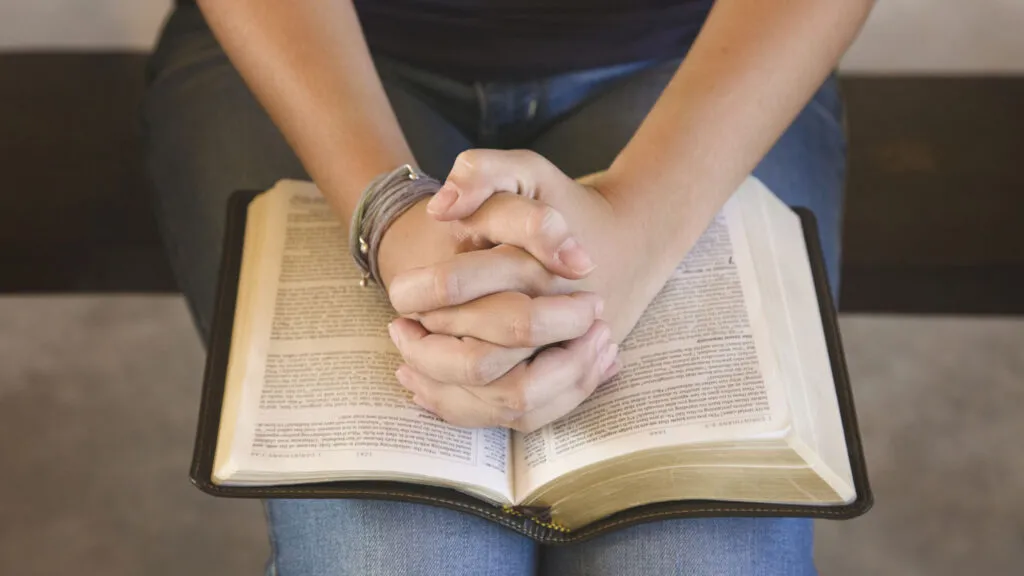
(381, 203)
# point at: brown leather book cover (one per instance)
(213, 394)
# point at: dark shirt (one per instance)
(516, 39)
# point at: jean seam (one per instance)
(600, 89)
(481, 100)
(821, 109)
(271, 567)
(394, 72)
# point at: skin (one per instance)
(513, 256)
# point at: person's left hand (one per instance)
(444, 368)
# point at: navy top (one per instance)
(516, 39)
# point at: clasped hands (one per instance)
(514, 284)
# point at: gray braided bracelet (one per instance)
(382, 202)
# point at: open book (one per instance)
(729, 401)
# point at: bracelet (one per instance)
(381, 203)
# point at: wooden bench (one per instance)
(935, 206)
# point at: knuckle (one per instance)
(528, 157)
(477, 368)
(515, 400)
(501, 416)
(446, 286)
(466, 235)
(471, 371)
(470, 159)
(541, 167)
(544, 220)
(521, 327)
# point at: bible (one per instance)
(733, 397)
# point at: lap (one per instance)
(376, 537)
(368, 537)
(720, 546)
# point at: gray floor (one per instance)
(98, 399)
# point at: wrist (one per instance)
(413, 240)
(343, 190)
(632, 215)
(381, 205)
(663, 226)
(393, 254)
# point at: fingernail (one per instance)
(421, 403)
(604, 362)
(403, 377)
(393, 332)
(602, 339)
(598, 307)
(443, 200)
(615, 369)
(572, 255)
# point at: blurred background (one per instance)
(100, 366)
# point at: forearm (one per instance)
(754, 66)
(309, 66)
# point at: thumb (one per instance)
(535, 227)
(495, 193)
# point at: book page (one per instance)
(698, 367)
(796, 324)
(320, 395)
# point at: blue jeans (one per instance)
(206, 136)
